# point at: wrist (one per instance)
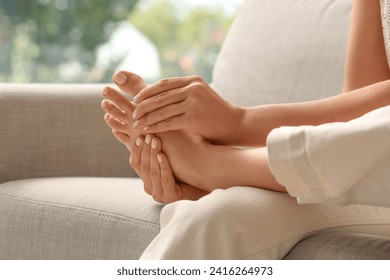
(255, 124)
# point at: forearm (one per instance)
(257, 122)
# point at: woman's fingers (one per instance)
(165, 187)
(159, 112)
(171, 192)
(163, 118)
(159, 182)
(160, 101)
(145, 164)
(155, 170)
(135, 155)
(164, 85)
(174, 123)
(129, 82)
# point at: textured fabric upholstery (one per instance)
(342, 246)
(76, 218)
(56, 130)
(284, 51)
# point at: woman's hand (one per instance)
(156, 173)
(186, 103)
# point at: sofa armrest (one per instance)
(50, 130)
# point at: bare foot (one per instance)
(193, 160)
(118, 116)
(182, 148)
(120, 108)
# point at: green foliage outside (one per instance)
(188, 40)
(39, 35)
(39, 38)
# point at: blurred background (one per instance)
(85, 41)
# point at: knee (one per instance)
(208, 212)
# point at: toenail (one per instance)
(120, 78)
(135, 124)
(148, 139)
(105, 91)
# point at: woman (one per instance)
(170, 105)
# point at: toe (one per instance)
(123, 138)
(129, 82)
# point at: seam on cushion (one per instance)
(105, 215)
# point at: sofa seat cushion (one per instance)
(342, 246)
(76, 218)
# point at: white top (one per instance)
(385, 14)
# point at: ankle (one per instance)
(213, 174)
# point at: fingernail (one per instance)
(159, 158)
(105, 91)
(135, 99)
(154, 144)
(135, 124)
(148, 139)
(146, 128)
(120, 78)
(104, 104)
(106, 116)
(135, 113)
(138, 141)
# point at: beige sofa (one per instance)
(66, 189)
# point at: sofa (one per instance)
(66, 188)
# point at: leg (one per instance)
(210, 167)
(250, 223)
(180, 146)
(193, 160)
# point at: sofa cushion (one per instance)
(342, 246)
(76, 218)
(284, 51)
